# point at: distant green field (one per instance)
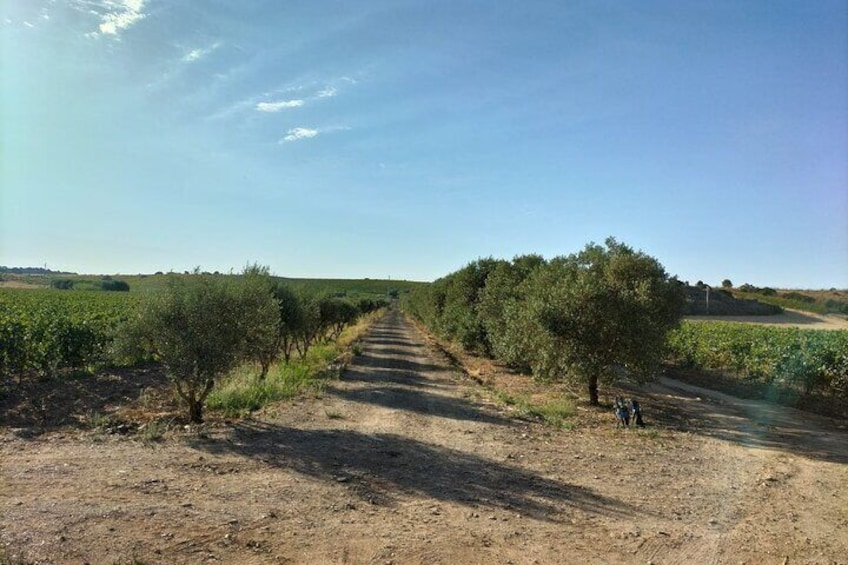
(142, 284)
(44, 330)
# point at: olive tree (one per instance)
(200, 327)
(292, 318)
(261, 320)
(503, 289)
(591, 315)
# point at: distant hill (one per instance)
(31, 271)
(723, 303)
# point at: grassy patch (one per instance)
(153, 431)
(555, 412)
(242, 392)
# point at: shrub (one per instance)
(113, 285)
(199, 327)
(602, 312)
(62, 284)
(799, 297)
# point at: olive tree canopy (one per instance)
(597, 313)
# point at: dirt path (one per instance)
(405, 461)
(789, 319)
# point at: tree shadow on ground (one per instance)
(391, 341)
(381, 468)
(377, 361)
(749, 423)
(359, 373)
(39, 404)
(389, 351)
(422, 402)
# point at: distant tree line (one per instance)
(105, 283)
(31, 271)
(586, 317)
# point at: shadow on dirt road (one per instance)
(378, 468)
(398, 384)
(749, 423)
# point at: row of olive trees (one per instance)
(201, 327)
(585, 317)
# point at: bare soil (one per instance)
(408, 460)
(789, 318)
(19, 284)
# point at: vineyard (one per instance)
(791, 362)
(44, 332)
(199, 328)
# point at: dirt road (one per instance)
(406, 461)
(788, 319)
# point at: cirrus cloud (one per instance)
(277, 106)
(120, 15)
(197, 54)
(295, 134)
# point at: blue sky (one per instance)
(405, 139)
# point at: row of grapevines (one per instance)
(807, 360)
(46, 331)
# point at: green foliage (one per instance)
(834, 306)
(62, 284)
(601, 312)
(467, 306)
(44, 332)
(262, 338)
(585, 317)
(200, 328)
(555, 412)
(500, 309)
(819, 302)
(726, 283)
(804, 361)
(112, 285)
(765, 291)
(241, 393)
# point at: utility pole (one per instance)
(708, 299)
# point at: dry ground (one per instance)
(789, 318)
(406, 460)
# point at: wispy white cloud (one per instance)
(28, 24)
(277, 106)
(194, 55)
(328, 92)
(306, 93)
(115, 15)
(197, 54)
(299, 133)
(296, 134)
